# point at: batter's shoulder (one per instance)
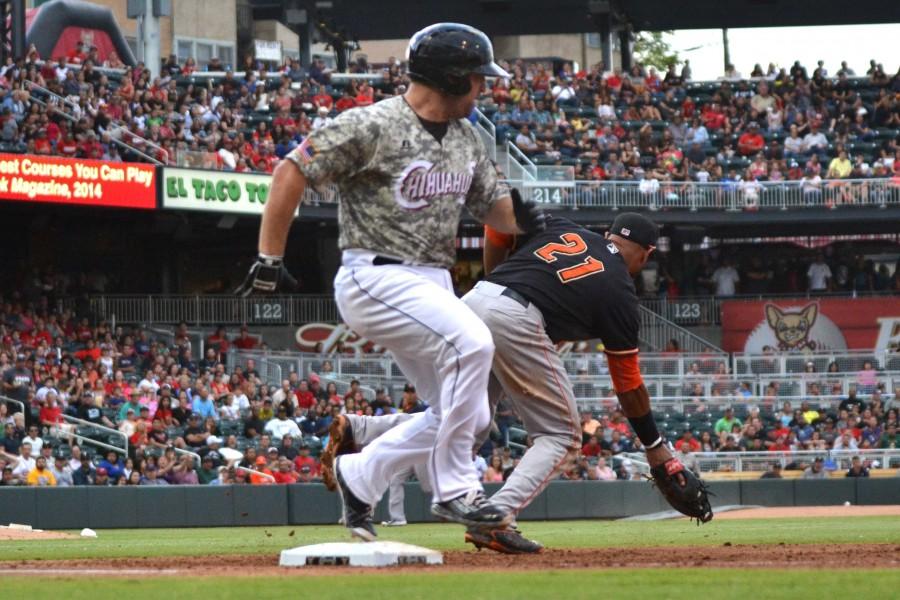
(384, 111)
(468, 129)
(372, 118)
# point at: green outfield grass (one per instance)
(554, 534)
(731, 584)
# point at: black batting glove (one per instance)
(267, 275)
(529, 216)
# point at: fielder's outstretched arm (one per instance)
(497, 248)
(635, 400)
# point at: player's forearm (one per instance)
(635, 403)
(288, 185)
(497, 247)
(636, 406)
(493, 256)
(634, 398)
(502, 217)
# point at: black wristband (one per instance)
(270, 261)
(645, 428)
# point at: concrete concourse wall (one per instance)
(214, 506)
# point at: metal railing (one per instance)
(760, 461)
(705, 408)
(718, 196)
(194, 455)
(255, 472)
(519, 168)
(87, 424)
(488, 134)
(598, 392)
(846, 361)
(656, 331)
(223, 309)
(343, 386)
(86, 440)
(8, 400)
(380, 368)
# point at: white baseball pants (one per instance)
(444, 350)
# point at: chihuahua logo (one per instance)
(792, 329)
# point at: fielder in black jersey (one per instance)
(565, 283)
(579, 281)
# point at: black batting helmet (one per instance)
(443, 55)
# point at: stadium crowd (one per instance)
(190, 420)
(776, 125)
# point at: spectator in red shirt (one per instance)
(285, 472)
(688, 107)
(592, 448)
(713, 117)
(614, 81)
(303, 459)
(751, 141)
(780, 444)
(245, 341)
(219, 341)
(305, 398)
(68, 146)
(41, 333)
(90, 147)
(322, 98)
(346, 102)
(53, 132)
(51, 411)
(365, 95)
(354, 387)
(91, 351)
(42, 144)
(688, 439)
(285, 120)
(77, 55)
(652, 80)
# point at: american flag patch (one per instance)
(306, 151)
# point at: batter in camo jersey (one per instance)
(405, 168)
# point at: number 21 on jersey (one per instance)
(573, 245)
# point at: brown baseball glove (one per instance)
(683, 490)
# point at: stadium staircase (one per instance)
(656, 332)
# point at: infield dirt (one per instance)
(726, 555)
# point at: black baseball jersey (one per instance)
(580, 283)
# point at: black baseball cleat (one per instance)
(506, 540)
(357, 514)
(340, 441)
(472, 510)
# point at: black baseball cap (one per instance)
(637, 228)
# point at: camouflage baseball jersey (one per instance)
(401, 191)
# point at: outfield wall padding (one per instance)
(767, 492)
(878, 491)
(220, 506)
